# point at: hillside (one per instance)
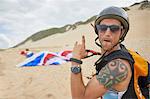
(45, 33)
(144, 5)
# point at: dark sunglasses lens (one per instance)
(101, 27)
(114, 28)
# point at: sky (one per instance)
(20, 19)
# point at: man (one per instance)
(114, 77)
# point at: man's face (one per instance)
(109, 32)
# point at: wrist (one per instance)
(75, 64)
(75, 69)
(75, 61)
(77, 57)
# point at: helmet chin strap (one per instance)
(97, 43)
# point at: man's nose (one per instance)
(108, 31)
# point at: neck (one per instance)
(117, 47)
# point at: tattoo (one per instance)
(113, 73)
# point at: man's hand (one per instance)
(79, 50)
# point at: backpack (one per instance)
(141, 75)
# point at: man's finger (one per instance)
(75, 43)
(83, 41)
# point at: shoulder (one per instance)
(113, 72)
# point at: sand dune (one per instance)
(53, 82)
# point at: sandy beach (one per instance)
(53, 82)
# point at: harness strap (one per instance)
(92, 53)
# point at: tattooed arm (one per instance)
(114, 72)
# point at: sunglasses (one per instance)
(112, 28)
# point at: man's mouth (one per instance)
(106, 40)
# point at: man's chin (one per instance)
(107, 48)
